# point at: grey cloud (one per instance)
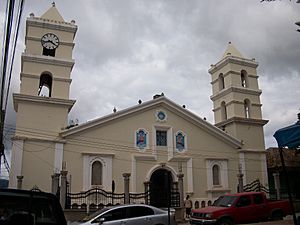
(131, 50)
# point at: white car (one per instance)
(135, 214)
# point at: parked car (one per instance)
(135, 214)
(30, 208)
(241, 208)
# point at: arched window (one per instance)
(45, 86)
(247, 108)
(97, 173)
(221, 82)
(244, 78)
(202, 204)
(223, 111)
(216, 175)
(209, 203)
(197, 205)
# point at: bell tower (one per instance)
(43, 104)
(236, 98)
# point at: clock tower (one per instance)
(43, 104)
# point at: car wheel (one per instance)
(277, 215)
(225, 221)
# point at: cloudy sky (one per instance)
(133, 49)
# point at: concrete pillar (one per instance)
(277, 184)
(180, 215)
(146, 188)
(19, 182)
(63, 188)
(55, 183)
(126, 187)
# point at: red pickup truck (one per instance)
(244, 207)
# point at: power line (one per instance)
(51, 164)
(122, 146)
(19, 16)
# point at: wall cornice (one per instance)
(98, 154)
(26, 138)
(37, 76)
(47, 60)
(51, 24)
(232, 60)
(236, 90)
(242, 120)
(42, 100)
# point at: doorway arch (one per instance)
(160, 187)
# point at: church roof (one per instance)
(160, 101)
(232, 51)
(53, 14)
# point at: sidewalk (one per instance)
(287, 221)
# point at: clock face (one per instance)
(50, 41)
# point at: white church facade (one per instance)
(147, 141)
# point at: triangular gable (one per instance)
(53, 14)
(160, 101)
(232, 51)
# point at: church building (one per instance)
(149, 141)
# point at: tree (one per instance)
(298, 1)
(298, 23)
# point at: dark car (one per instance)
(135, 214)
(30, 207)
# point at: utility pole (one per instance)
(1, 136)
(3, 77)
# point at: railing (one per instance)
(255, 186)
(97, 198)
(142, 198)
(94, 198)
(175, 199)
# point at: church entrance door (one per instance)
(160, 187)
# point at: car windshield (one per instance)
(95, 214)
(225, 201)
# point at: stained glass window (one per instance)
(180, 142)
(141, 139)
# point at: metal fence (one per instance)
(142, 198)
(97, 198)
(175, 199)
(93, 198)
(256, 186)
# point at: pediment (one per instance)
(159, 103)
